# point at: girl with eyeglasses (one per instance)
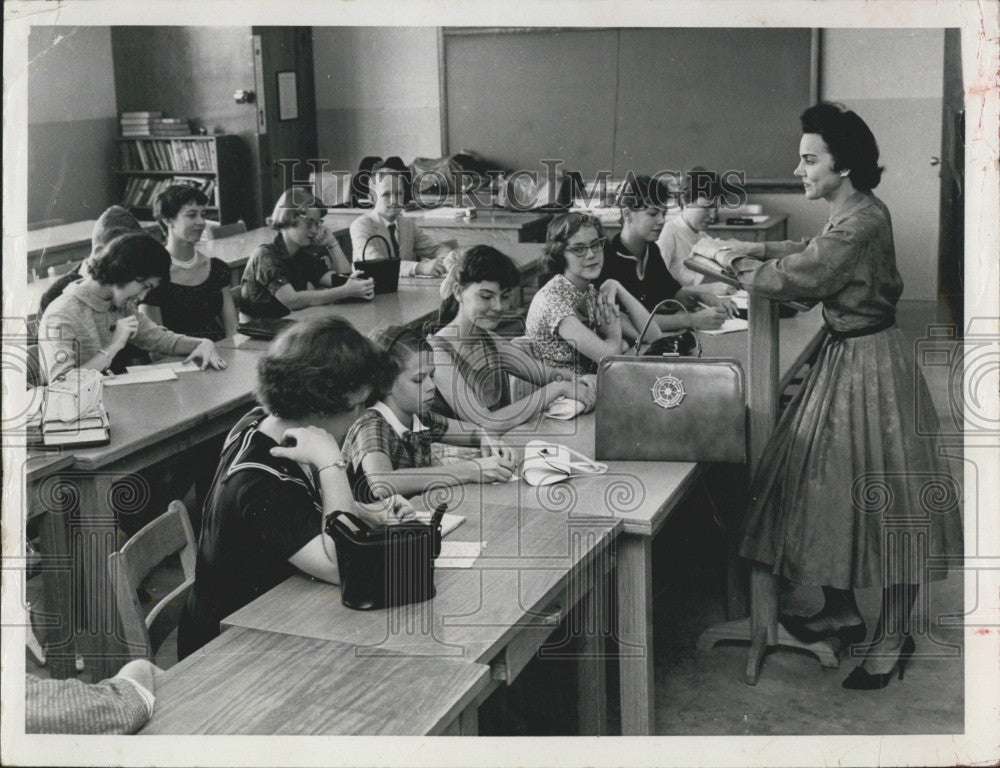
(569, 323)
(303, 267)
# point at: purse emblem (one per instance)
(668, 391)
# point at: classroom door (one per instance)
(951, 240)
(286, 107)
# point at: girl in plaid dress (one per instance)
(388, 450)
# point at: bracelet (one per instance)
(339, 464)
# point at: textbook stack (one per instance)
(138, 123)
(170, 126)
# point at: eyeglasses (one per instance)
(311, 223)
(595, 247)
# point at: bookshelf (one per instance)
(219, 165)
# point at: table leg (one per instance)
(469, 721)
(591, 678)
(57, 590)
(94, 537)
(635, 633)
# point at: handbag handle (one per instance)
(388, 248)
(652, 314)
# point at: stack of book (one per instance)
(170, 126)
(90, 428)
(138, 123)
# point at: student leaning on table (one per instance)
(94, 318)
(281, 473)
(472, 365)
(388, 449)
(632, 258)
(570, 323)
(384, 229)
(303, 266)
(842, 496)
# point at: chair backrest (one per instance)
(225, 230)
(33, 366)
(169, 533)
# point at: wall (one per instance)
(189, 72)
(902, 104)
(376, 93)
(72, 122)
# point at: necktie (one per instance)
(393, 241)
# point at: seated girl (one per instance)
(570, 323)
(388, 450)
(94, 318)
(281, 473)
(472, 365)
(632, 258)
(303, 267)
(197, 300)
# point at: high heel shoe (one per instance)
(863, 680)
(796, 627)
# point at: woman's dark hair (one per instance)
(480, 264)
(170, 201)
(560, 230)
(398, 343)
(313, 366)
(135, 256)
(850, 140)
(637, 193)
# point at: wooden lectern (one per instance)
(761, 629)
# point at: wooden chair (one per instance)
(171, 532)
(225, 230)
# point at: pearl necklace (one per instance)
(185, 264)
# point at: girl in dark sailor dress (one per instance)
(851, 491)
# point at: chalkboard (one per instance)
(630, 99)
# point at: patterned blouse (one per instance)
(556, 300)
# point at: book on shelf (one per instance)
(144, 115)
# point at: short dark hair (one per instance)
(313, 366)
(559, 231)
(702, 182)
(850, 141)
(129, 257)
(398, 343)
(480, 264)
(637, 193)
(170, 201)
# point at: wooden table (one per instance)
(64, 243)
(151, 422)
(537, 565)
(643, 495)
(265, 683)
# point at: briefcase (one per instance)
(670, 409)
(385, 565)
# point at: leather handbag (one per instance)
(385, 565)
(384, 271)
(670, 408)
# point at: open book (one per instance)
(716, 273)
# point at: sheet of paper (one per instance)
(731, 325)
(458, 554)
(149, 376)
(176, 367)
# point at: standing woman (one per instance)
(197, 300)
(571, 323)
(850, 438)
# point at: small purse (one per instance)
(384, 272)
(385, 565)
(548, 463)
(670, 408)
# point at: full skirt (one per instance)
(851, 490)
